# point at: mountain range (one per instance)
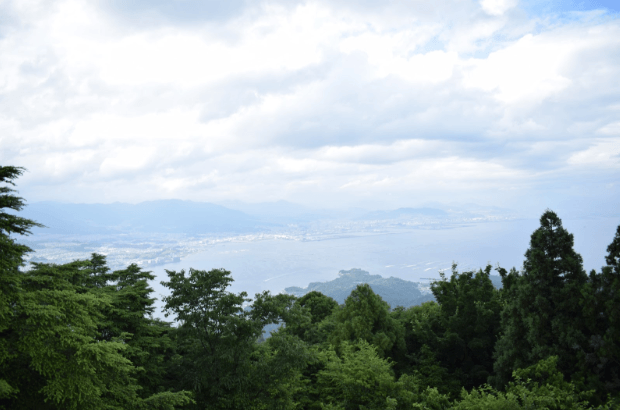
(188, 217)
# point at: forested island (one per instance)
(82, 336)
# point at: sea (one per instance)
(417, 255)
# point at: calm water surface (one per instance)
(412, 255)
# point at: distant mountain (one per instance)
(163, 216)
(395, 291)
(289, 212)
(275, 212)
(407, 213)
(188, 217)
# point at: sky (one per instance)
(378, 104)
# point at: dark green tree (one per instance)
(215, 336)
(56, 360)
(129, 317)
(470, 315)
(318, 325)
(365, 316)
(52, 355)
(276, 372)
(220, 359)
(610, 293)
(320, 306)
(601, 304)
(11, 259)
(542, 316)
(424, 328)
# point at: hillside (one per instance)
(395, 291)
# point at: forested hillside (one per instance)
(80, 336)
(395, 291)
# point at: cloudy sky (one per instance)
(329, 103)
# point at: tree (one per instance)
(129, 318)
(51, 350)
(11, 259)
(542, 316)
(359, 378)
(320, 306)
(365, 316)
(470, 314)
(610, 294)
(540, 386)
(215, 335)
(56, 360)
(601, 304)
(314, 327)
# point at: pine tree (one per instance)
(542, 316)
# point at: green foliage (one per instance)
(276, 373)
(358, 378)
(78, 336)
(486, 398)
(543, 386)
(215, 336)
(365, 316)
(129, 318)
(609, 302)
(11, 259)
(320, 306)
(542, 316)
(601, 304)
(216, 339)
(450, 343)
(540, 386)
(315, 322)
(423, 326)
(56, 347)
(55, 354)
(10, 223)
(470, 315)
(431, 399)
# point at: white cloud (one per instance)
(601, 154)
(497, 7)
(530, 69)
(312, 101)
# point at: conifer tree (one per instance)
(601, 303)
(610, 292)
(11, 259)
(52, 355)
(542, 316)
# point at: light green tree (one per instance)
(357, 379)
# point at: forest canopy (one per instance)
(80, 336)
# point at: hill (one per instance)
(395, 291)
(164, 216)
